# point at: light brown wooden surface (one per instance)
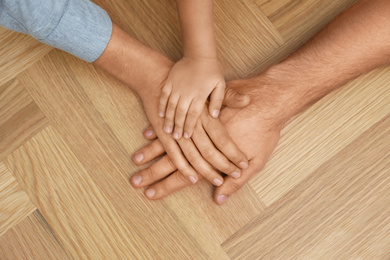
(32, 239)
(68, 131)
(15, 204)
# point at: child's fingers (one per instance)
(170, 113)
(193, 115)
(216, 100)
(166, 92)
(180, 117)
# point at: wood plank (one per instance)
(301, 19)
(322, 131)
(104, 132)
(31, 239)
(20, 117)
(83, 215)
(18, 52)
(244, 34)
(15, 205)
(297, 22)
(114, 109)
(342, 211)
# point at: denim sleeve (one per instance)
(76, 26)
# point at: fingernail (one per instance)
(161, 113)
(186, 136)
(150, 193)
(192, 179)
(139, 157)
(215, 113)
(168, 129)
(217, 182)
(243, 165)
(148, 133)
(176, 135)
(235, 175)
(221, 199)
(137, 179)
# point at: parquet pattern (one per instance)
(68, 131)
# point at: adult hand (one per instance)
(202, 154)
(255, 129)
(145, 71)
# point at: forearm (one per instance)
(197, 28)
(133, 63)
(78, 27)
(354, 43)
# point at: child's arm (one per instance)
(196, 75)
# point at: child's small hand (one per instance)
(188, 86)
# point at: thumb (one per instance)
(235, 99)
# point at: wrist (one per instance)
(281, 92)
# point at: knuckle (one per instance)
(208, 152)
(193, 114)
(166, 90)
(162, 190)
(228, 167)
(222, 140)
(192, 155)
(235, 186)
(171, 105)
(181, 178)
(150, 173)
(170, 164)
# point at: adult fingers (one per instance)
(155, 172)
(199, 163)
(166, 92)
(174, 182)
(193, 115)
(170, 113)
(216, 100)
(212, 154)
(149, 133)
(221, 139)
(235, 99)
(148, 153)
(231, 185)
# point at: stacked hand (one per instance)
(255, 128)
(190, 82)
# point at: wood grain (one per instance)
(15, 205)
(342, 211)
(244, 35)
(18, 52)
(294, 18)
(297, 22)
(101, 133)
(322, 131)
(81, 215)
(68, 131)
(32, 239)
(20, 117)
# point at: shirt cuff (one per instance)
(84, 30)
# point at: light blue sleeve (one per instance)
(76, 26)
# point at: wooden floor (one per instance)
(68, 131)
